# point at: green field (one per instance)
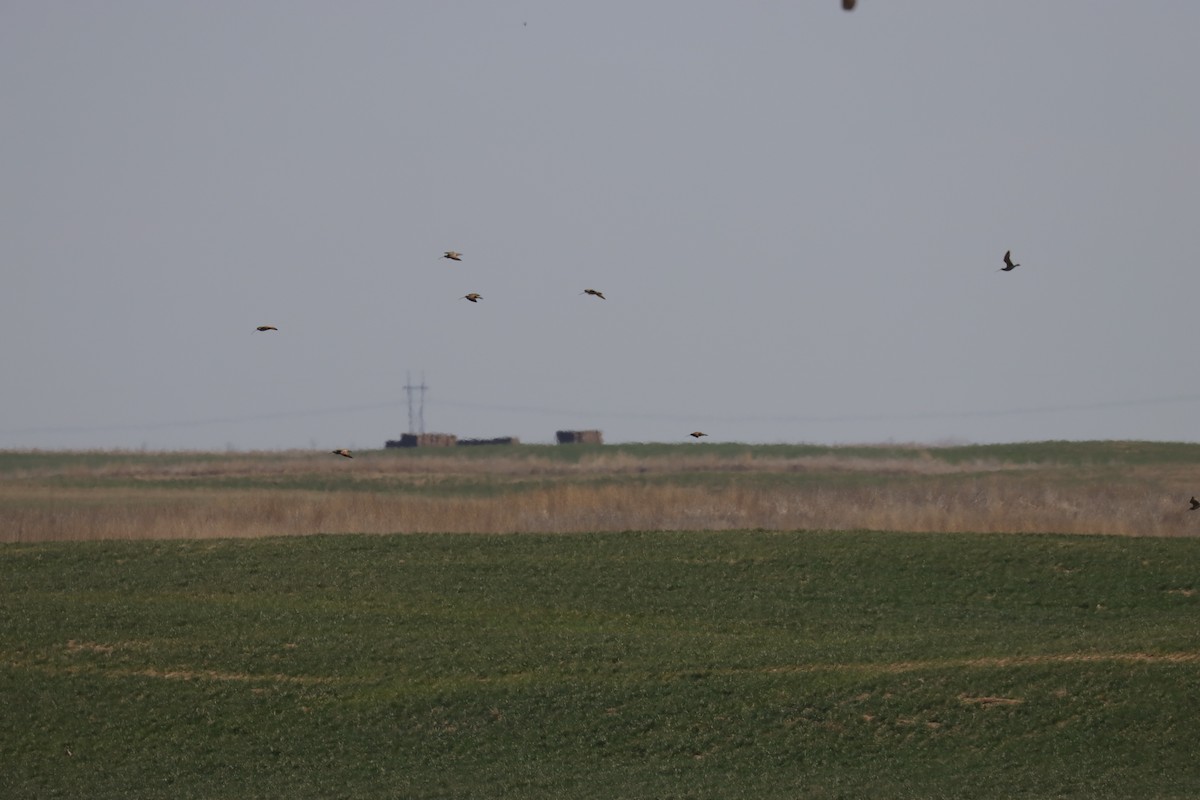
(622, 665)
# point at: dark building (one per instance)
(423, 440)
(580, 437)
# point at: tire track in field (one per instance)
(182, 673)
(177, 673)
(993, 662)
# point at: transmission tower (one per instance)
(409, 391)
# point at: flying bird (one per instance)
(266, 328)
(452, 255)
(848, 5)
(343, 452)
(474, 297)
(1009, 266)
(594, 293)
(697, 434)
(1195, 503)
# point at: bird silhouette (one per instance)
(848, 5)
(594, 293)
(343, 452)
(452, 255)
(1009, 266)
(697, 434)
(1195, 503)
(266, 328)
(474, 297)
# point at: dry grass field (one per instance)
(1124, 488)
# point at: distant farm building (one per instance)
(423, 440)
(580, 437)
(497, 440)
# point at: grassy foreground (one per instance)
(625, 665)
(1127, 488)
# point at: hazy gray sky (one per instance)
(797, 215)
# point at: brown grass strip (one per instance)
(156, 499)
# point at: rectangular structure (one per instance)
(423, 440)
(580, 437)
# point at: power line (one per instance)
(880, 417)
(199, 423)
(544, 410)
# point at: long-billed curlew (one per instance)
(453, 255)
(266, 328)
(343, 452)
(697, 434)
(474, 297)
(1009, 266)
(594, 293)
